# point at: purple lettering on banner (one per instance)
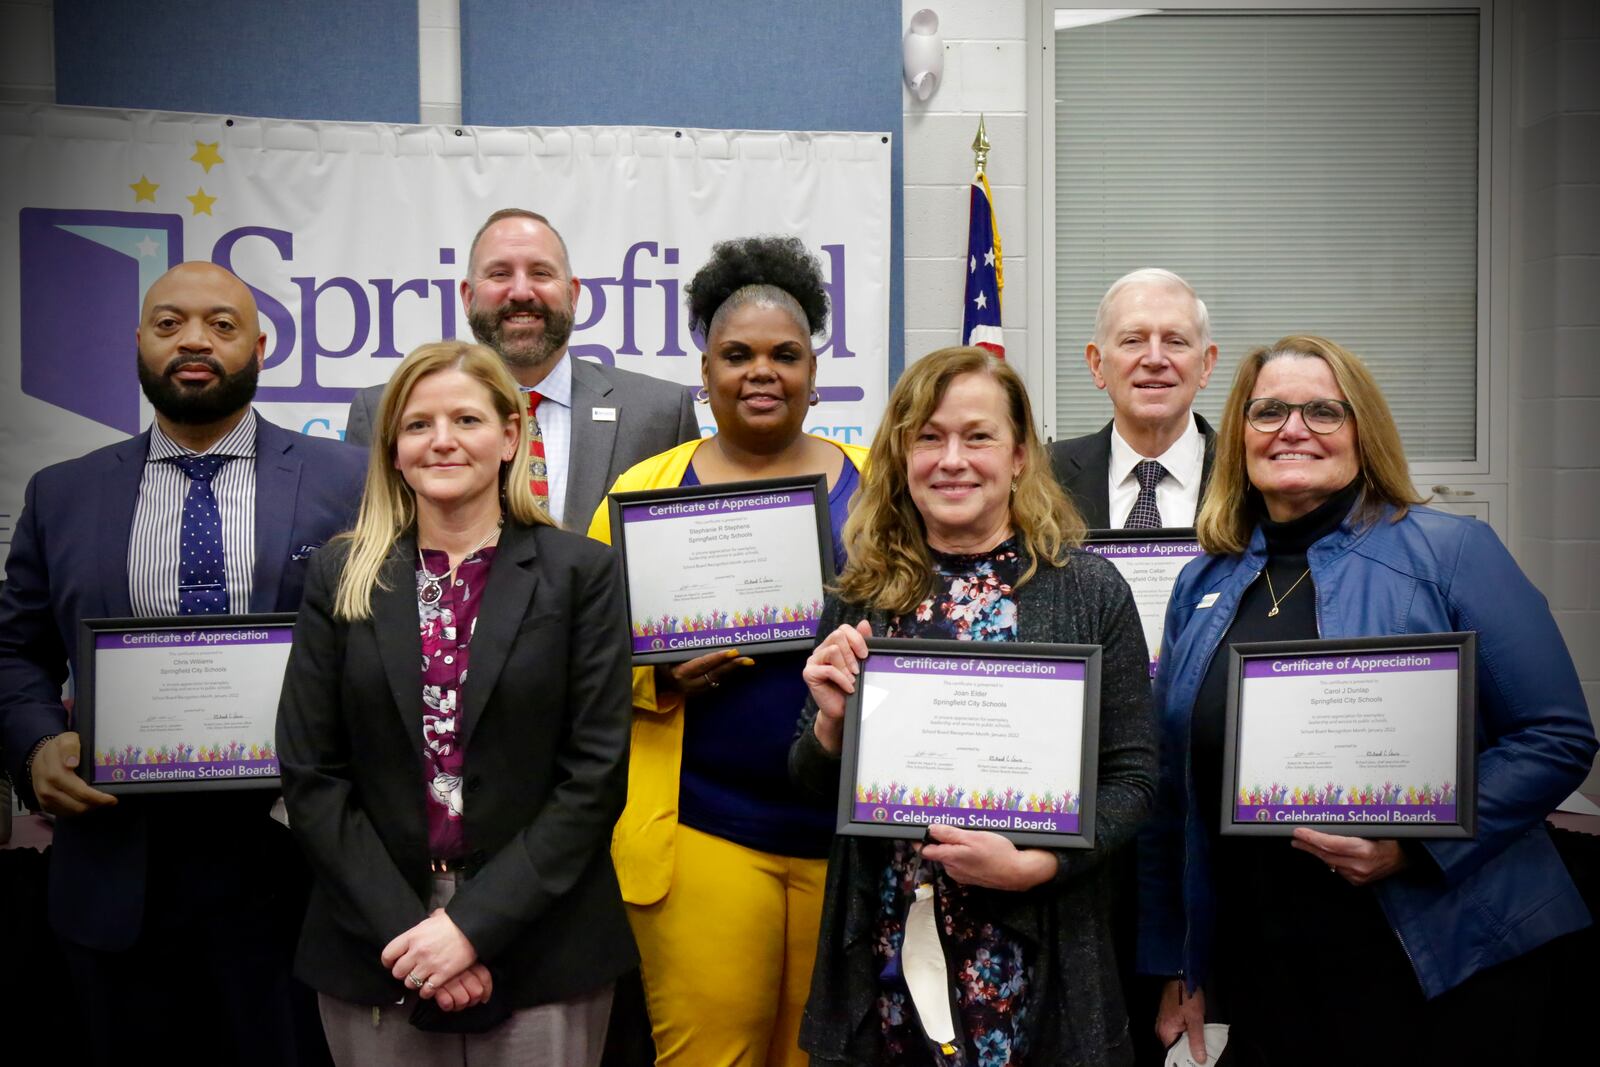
(837, 344)
(972, 818)
(1352, 663)
(1346, 814)
(387, 293)
(195, 637)
(628, 283)
(669, 297)
(282, 319)
(191, 771)
(705, 506)
(786, 630)
(1145, 549)
(310, 293)
(977, 667)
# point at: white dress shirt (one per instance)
(1177, 495)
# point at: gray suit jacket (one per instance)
(651, 416)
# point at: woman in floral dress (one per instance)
(960, 532)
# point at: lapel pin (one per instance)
(603, 414)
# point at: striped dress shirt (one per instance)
(153, 548)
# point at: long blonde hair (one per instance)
(885, 538)
(388, 503)
(1233, 506)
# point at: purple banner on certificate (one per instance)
(153, 766)
(976, 669)
(797, 622)
(1351, 814)
(194, 637)
(972, 818)
(1184, 550)
(1385, 663)
(728, 505)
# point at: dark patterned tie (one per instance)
(1145, 515)
(202, 577)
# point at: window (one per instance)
(1308, 172)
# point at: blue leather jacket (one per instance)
(1494, 896)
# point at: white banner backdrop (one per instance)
(354, 238)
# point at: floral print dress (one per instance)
(447, 624)
(972, 601)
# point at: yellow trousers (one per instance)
(726, 955)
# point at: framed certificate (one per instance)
(1149, 561)
(712, 566)
(176, 704)
(1368, 737)
(987, 736)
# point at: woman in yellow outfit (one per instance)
(721, 862)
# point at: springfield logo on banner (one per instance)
(354, 239)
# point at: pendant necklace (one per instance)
(433, 584)
(1276, 599)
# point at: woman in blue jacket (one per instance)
(1336, 947)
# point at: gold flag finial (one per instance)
(980, 147)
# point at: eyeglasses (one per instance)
(1268, 414)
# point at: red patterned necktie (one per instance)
(538, 475)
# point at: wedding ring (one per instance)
(429, 984)
(414, 981)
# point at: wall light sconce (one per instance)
(924, 54)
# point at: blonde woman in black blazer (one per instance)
(516, 936)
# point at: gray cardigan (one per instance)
(1077, 1010)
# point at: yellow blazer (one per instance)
(641, 844)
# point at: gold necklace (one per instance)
(1276, 599)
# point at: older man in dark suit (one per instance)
(173, 911)
(1152, 351)
(591, 422)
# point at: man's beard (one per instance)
(190, 406)
(534, 352)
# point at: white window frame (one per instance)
(1491, 465)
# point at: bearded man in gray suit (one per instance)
(594, 421)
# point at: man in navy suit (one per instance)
(1152, 351)
(175, 911)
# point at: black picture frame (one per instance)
(87, 710)
(1368, 823)
(674, 649)
(875, 824)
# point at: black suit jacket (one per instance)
(68, 562)
(1083, 466)
(546, 710)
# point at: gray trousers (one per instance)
(568, 1033)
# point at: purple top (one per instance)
(447, 626)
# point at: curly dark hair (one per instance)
(781, 262)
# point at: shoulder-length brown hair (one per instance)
(388, 503)
(885, 539)
(1233, 506)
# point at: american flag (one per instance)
(980, 319)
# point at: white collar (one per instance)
(557, 385)
(1182, 460)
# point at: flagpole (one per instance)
(980, 147)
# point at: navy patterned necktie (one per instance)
(202, 576)
(1145, 515)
